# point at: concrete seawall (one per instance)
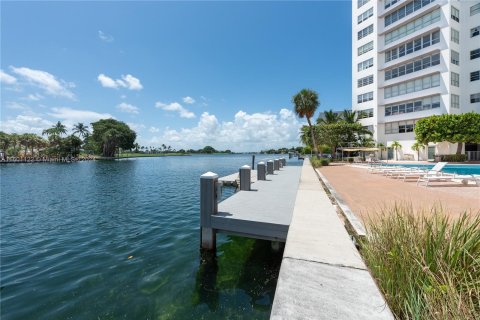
(322, 274)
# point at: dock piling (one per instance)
(208, 207)
(245, 174)
(261, 171)
(276, 165)
(270, 167)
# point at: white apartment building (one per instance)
(412, 59)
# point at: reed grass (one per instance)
(427, 266)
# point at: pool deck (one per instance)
(367, 194)
(264, 212)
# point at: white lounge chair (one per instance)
(464, 178)
(435, 171)
(434, 174)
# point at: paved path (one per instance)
(322, 274)
(263, 213)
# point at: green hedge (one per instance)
(453, 157)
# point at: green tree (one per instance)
(340, 133)
(382, 148)
(417, 146)
(329, 117)
(350, 116)
(454, 128)
(305, 104)
(209, 149)
(4, 144)
(14, 138)
(109, 134)
(396, 145)
(81, 130)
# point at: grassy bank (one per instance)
(427, 266)
(146, 155)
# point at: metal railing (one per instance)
(473, 155)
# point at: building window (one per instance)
(454, 101)
(361, 3)
(474, 32)
(365, 64)
(474, 9)
(455, 14)
(474, 98)
(365, 97)
(413, 106)
(412, 86)
(412, 46)
(474, 54)
(475, 76)
(364, 81)
(367, 113)
(364, 16)
(365, 48)
(455, 57)
(455, 36)
(417, 65)
(389, 3)
(455, 79)
(365, 32)
(405, 11)
(413, 26)
(400, 127)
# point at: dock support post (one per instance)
(276, 165)
(280, 163)
(208, 207)
(245, 175)
(284, 161)
(253, 162)
(261, 171)
(270, 167)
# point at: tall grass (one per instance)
(427, 266)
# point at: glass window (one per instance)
(418, 44)
(394, 110)
(394, 54)
(455, 57)
(401, 70)
(388, 74)
(435, 80)
(475, 9)
(402, 89)
(401, 51)
(418, 84)
(426, 62)
(388, 56)
(435, 37)
(454, 101)
(455, 79)
(409, 68)
(394, 72)
(436, 102)
(418, 105)
(387, 93)
(426, 83)
(475, 76)
(426, 40)
(455, 36)
(388, 111)
(474, 98)
(474, 32)
(418, 65)
(455, 14)
(394, 91)
(409, 107)
(410, 86)
(409, 48)
(435, 59)
(474, 54)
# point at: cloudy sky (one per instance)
(186, 74)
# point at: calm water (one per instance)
(449, 168)
(120, 240)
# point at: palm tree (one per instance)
(24, 140)
(14, 141)
(350, 116)
(136, 146)
(381, 147)
(56, 131)
(329, 117)
(4, 144)
(306, 103)
(417, 146)
(81, 129)
(396, 145)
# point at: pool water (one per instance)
(449, 168)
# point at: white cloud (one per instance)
(70, 116)
(125, 107)
(188, 100)
(153, 130)
(45, 81)
(25, 123)
(247, 132)
(33, 97)
(6, 78)
(176, 107)
(105, 37)
(128, 81)
(136, 127)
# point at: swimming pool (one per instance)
(449, 168)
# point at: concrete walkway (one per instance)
(322, 274)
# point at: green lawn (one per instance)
(141, 155)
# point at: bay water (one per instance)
(120, 240)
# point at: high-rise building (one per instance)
(412, 59)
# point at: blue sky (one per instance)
(187, 74)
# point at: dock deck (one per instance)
(265, 212)
(234, 179)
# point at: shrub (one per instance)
(453, 157)
(316, 163)
(350, 160)
(324, 161)
(428, 267)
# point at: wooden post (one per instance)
(261, 171)
(208, 207)
(270, 167)
(245, 177)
